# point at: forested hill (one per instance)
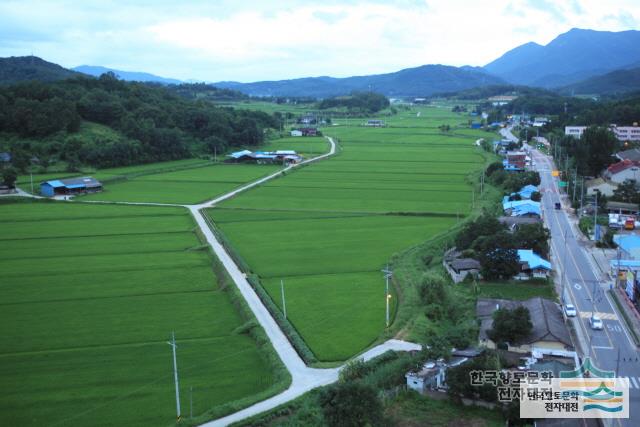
(107, 122)
(23, 68)
(419, 81)
(613, 83)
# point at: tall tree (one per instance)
(351, 404)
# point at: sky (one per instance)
(251, 40)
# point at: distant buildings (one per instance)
(626, 133)
(306, 131)
(622, 133)
(264, 157)
(375, 123)
(5, 157)
(499, 100)
(540, 121)
(574, 131)
(71, 186)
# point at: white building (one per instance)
(621, 171)
(296, 133)
(626, 133)
(574, 131)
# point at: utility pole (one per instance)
(173, 345)
(595, 218)
(581, 194)
(284, 305)
(575, 184)
(387, 296)
(564, 265)
(215, 154)
(31, 174)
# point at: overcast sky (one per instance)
(248, 40)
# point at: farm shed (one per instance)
(296, 132)
(70, 186)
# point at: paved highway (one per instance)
(588, 291)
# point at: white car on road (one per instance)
(595, 322)
(570, 310)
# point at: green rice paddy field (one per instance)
(327, 229)
(188, 186)
(89, 295)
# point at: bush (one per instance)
(351, 404)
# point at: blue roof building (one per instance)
(509, 206)
(5, 157)
(526, 191)
(629, 245)
(527, 211)
(71, 186)
(533, 265)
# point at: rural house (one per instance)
(514, 222)
(375, 123)
(459, 268)
(515, 161)
(532, 265)
(549, 331)
(433, 374)
(71, 186)
(296, 132)
(623, 170)
(601, 186)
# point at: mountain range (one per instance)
(97, 71)
(578, 62)
(571, 57)
(419, 81)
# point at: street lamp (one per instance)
(387, 296)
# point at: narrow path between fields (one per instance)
(303, 378)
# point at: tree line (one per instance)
(152, 123)
(364, 102)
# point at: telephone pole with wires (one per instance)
(173, 345)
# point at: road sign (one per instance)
(562, 184)
(555, 173)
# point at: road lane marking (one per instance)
(602, 347)
(601, 315)
(633, 380)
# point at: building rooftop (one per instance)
(510, 221)
(83, 182)
(533, 260)
(546, 317)
(632, 155)
(622, 166)
(465, 264)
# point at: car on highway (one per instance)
(558, 206)
(570, 310)
(596, 323)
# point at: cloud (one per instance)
(258, 40)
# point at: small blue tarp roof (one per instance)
(533, 259)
